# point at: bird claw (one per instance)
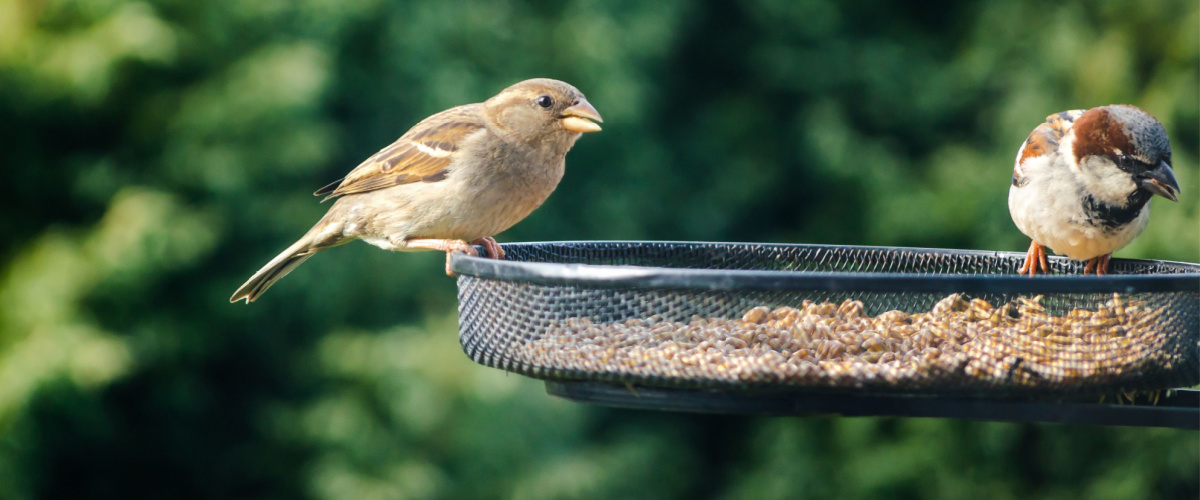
(1098, 265)
(493, 249)
(448, 246)
(1035, 258)
(461, 247)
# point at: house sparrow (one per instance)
(454, 179)
(1083, 182)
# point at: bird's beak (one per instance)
(1160, 181)
(581, 117)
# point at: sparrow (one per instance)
(455, 179)
(1083, 180)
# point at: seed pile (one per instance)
(958, 344)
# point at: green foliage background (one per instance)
(156, 153)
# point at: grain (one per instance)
(958, 343)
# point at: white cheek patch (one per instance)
(434, 152)
(1106, 182)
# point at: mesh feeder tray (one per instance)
(754, 321)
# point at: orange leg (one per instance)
(1035, 258)
(1098, 265)
(448, 246)
(493, 249)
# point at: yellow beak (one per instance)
(581, 117)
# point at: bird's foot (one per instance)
(448, 246)
(1035, 259)
(493, 249)
(1098, 265)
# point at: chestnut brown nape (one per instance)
(1099, 133)
(1121, 129)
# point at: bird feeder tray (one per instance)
(750, 320)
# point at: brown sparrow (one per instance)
(1083, 182)
(455, 179)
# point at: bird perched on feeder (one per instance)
(456, 178)
(1083, 181)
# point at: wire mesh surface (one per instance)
(757, 316)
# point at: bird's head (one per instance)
(541, 109)
(1123, 155)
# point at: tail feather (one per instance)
(279, 267)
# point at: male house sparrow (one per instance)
(1083, 182)
(459, 176)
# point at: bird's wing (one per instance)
(1043, 140)
(421, 155)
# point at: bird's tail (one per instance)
(282, 264)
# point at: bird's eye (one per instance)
(1126, 162)
(545, 101)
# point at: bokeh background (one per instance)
(155, 153)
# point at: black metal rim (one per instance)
(1180, 411)
(626, 276)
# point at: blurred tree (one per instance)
(158, 152)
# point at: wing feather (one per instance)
(1044, 139)
(422, 154)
